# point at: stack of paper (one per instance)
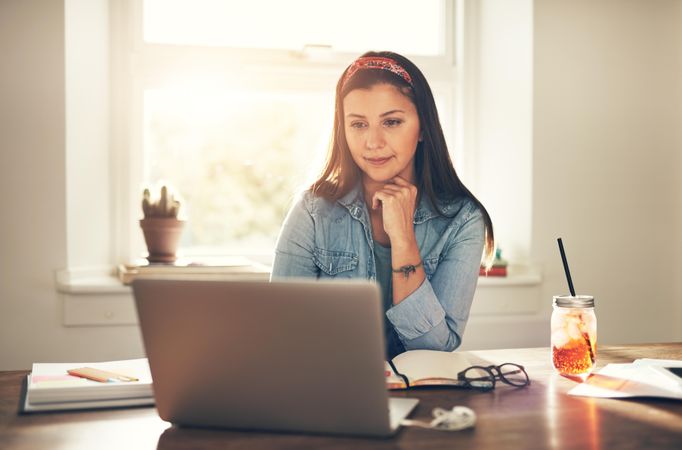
(641, 378)
(50, 388)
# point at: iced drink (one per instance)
(574, 335)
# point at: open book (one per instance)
(49, 387)
(426, 368)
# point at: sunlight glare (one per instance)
(348, 26)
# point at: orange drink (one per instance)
(574, 335)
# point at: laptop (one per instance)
(301, 356)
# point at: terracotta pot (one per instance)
(161, 235)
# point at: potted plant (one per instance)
(161, 226)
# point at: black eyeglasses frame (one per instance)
(495, 372)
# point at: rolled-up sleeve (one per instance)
(434, 316)
(295, 244)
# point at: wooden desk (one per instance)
(539, 416)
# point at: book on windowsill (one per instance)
(426, 368)
(493, 272)
(49, 387)
(207, 267)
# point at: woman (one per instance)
(390, 207)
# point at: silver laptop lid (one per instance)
(287, 355)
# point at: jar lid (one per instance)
(569, 301)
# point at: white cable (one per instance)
(458, 418)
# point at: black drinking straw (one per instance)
(566, 269)
(586, 336)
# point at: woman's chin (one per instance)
(387, 176)
(379, 176)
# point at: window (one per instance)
(232, 103)
(294, 24)
(237, 155)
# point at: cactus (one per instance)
(166, 206)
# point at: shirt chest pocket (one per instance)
(335, 263)
(430, 266)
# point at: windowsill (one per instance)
(89, 282)
(104, 281)
(96, 297)
(517, 275)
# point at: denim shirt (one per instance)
(323, 239)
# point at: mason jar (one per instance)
(574, 335)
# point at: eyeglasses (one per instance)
(484, 378)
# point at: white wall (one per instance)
(33, 189)
(606, 160)
(32, 176)
(678, 249)
(606, 172)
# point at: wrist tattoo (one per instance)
(408, 269)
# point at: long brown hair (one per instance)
(435, 174)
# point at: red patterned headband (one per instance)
(377, 62)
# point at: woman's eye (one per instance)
(392, 122)
(358, 125)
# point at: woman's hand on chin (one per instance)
(397, 200)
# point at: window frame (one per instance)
(137, 66)
(97, 180)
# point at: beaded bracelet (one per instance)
(408, 269)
